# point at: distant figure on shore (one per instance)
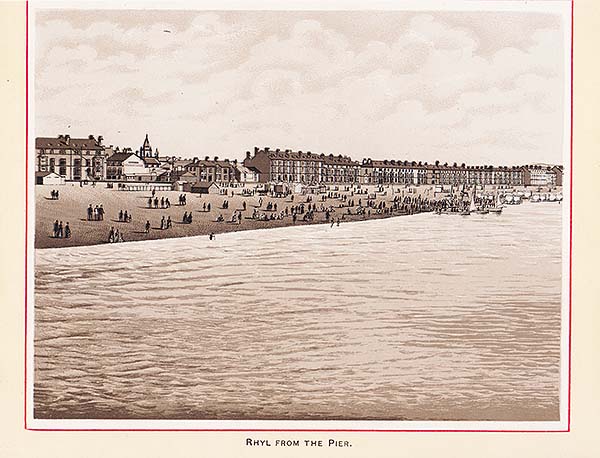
(211, 236)
(147, 227)
(67, 231)
(167, 203)
(244, 205)
(120, 215)
(162, 223)
(156, 202)
(150, 202)
(60, 230)
(55, 229)
(169, 222)
(111, 235)
(184, 217)
(153, 192)
(90, 212)
(162, 202)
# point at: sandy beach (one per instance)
(73, 202)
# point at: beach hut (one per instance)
(205, 187)
(49, 178)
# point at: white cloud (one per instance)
(213, 86)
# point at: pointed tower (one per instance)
(146, 149)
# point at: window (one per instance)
(62, 164)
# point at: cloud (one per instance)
(221, 83)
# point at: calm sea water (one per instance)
(424, 317)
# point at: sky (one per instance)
(473, 87)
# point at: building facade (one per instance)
(74, 159)
(287, 166)
(218, 171)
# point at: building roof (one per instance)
(151, 160)
(204, 184)
(65, 142)
(309, 156)
(45, 174)
(120, 157)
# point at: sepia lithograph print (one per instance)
(265, 219)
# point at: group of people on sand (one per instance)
(182, 199)
(54, 194)
(164, 202)
(166, 224)
(114, 236)
(95, 213)
(124, 216)
(59, 232)
(187, 218)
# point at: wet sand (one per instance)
(73, 202)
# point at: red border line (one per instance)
(571, 227)
(26, 186)
(300, 430)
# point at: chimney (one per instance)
(227, 160)
(248, 154)
(90, 137)
(67, 139)
(266, 148)
(277, 150)
(206, 158)
(255, 149)
(216, 158)
(100, 138)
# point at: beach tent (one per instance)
(50, 178)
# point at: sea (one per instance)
(422, 317)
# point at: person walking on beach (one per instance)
(244, 205)
(60, 230)
(169, 222)
(185, 217)
(111, 235)
(167, 203)
(162, 223)
(156, 202)
(208, 207)
(125, 217)
(55, 229)
(153, 192)
(120, 215)
(204, 207)
(150, 202)
(101, 212)
(147, 227)
(162, 202)
(67, 231)
(90, 212)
